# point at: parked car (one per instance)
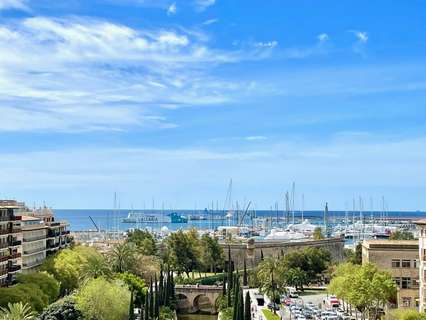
(273, 306)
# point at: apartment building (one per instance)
(34, 237)
(422, 265)
(26, 238)
(58, 235)
(10, 240)
(401, 259)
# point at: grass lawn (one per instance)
(269, 315)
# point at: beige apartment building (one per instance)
(26, 238)
(401, 259)
(10, 240)
(422, 265)
(34, 233)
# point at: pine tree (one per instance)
(245, 278)
(247, 307)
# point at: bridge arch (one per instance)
(204, 304)
(183, 302)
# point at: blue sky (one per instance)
(170, 99)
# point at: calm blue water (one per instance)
(79, 219)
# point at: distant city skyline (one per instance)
(171, 99)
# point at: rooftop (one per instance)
(391, 244)
(420, 222)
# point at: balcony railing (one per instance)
(14, 268)
(3, 272)
(15, 255)
(32, 264)
(4, 258)
(16, 243)
(34, 238)
(34, 250)
(4, 245)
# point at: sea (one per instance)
(91, 219)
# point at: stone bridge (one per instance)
(194, 298)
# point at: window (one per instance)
(398, 282)
(396, 263)
(406, 263)
(406, 301)
(405, 283)
(415, 263)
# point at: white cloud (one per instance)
(360, 35)
(86, 74)
(268, 44)
(323, 37)
(346, 164)
(209, 22)
(171, 10)
(13, 4)
(204, 4)
(255, 138)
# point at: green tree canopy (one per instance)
(27, 293)
(144, 241)
(46, 282)
(211, 253)
(122, 257)
(100, 299)
(401, 235)
(318, 235)
(270, 274)
(182, 252)
(63, 309)
(68, 264)
(364, 287)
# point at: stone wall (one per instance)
(251, 250)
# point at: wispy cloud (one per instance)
(171, 10)
(14, 4)
(209, 22)
(344, 165)
(88, 74)
(204, 4)
(323, 37)
(255, 138)
(362, 36)
(268, 44)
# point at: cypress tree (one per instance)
(245, 278)
(156, 300)
(224, 285)
(235, 308)
(167, 290)
(230, 284)
(160, 289)
(151, 300)
(172, 292)
(131, 307)
(247, 307)
(240, 305)
(147, 306)
(261, 254)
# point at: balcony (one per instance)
(13, 269)
(32, 264)
(35, 250)
(4, 258)
(15, 255)
(16, 218)
(3, 272)
(16, 243)
(4, 245)
(34, 238)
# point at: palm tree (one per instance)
(269, 273)
(17, 311)
(95, 267)
(122, 257)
